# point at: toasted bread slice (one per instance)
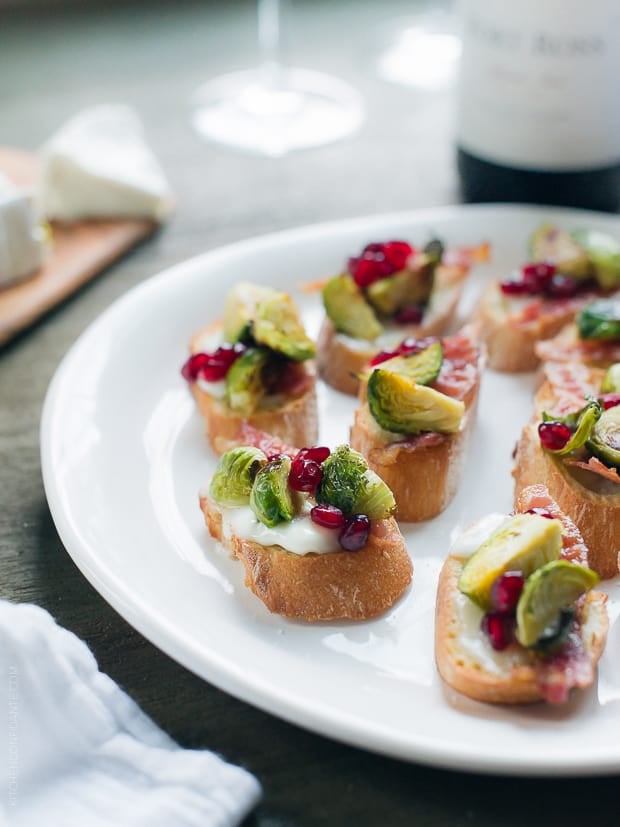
(341, 358)
(339, 585)
(515, 675)
(290, 415)
(424, 470)
(467, 662)
(511, 327)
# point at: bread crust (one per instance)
(519, 682)
(511, 343)
(597, 516)
(295, 422)
(339, 364)
(339, 585)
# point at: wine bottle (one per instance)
(538, 106)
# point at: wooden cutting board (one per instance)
(78, 253)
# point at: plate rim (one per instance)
(160, 634)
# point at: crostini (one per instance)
(255, 366)
(417, 410)
(389, 291)
(567, 271)
(517, 620)
(593, 339)
(572, 445)
(315, 533)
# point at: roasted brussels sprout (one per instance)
(549, 243)
(403, 289)
(351, 486)
(244, 381)
(582, 422)
(523, 543)
(548, 590)
(277, 326)
(271, 499)
(240, 309)
(423, 367)
(348, 310)
(603, 252)
(611, 382)
(557, 634)
(434, 249)
(600, 320)
(234, 476)
(604, 441)
(400, 405)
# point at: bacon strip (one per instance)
(460, 368)
(569, 668)
(596, 467)
(574, 548)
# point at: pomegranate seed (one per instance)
(271, 457)
(537, 275)
(506, 591)
(410, 315)
(318, 453)
(397, 253)
(373, 247)
(513, 287)
(305, 474)
(554, 435)
(383, 356)
(328, 516)
(609, 400)
(192, 369)
(365, 272)
(354, 535)
(499, 628)
(562, 286)
(542, 512)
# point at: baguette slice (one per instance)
(340, 358)
(511, 328)
(467, 662)
(591, 498)
(339, 585)
(292, 417)
(424, 471)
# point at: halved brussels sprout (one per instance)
(603, 252)
(244, 381)
(550, 243)
(391, 294)
(556, 635)
(604, 440)
(547, 591)
(583, 422)
(234, 476)
(240, 309)
(611, 382)
(600, 320)
(423, 367)
(271, 499)
(400, 405)
(277, 325)
(524, 543)
(434, 249)
(351, 486)
(348, 310)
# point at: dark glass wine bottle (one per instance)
(539, 102)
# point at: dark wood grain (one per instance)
(152, 57)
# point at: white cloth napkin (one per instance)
(77, 751)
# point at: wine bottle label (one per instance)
(539, 85)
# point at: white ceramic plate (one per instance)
(123, 458)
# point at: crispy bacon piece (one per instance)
(460, 368)
(568, 347)
(248, 435)
(574, 548)
(596, 467)
(571, 383)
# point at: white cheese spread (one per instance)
(465, 541)
(300, 536)
(22, 239)
(98, 165)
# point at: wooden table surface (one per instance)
(152, 57)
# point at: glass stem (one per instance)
(269, 41)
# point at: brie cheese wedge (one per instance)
(22, 239)
(98, 165)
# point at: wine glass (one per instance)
(273, 109)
